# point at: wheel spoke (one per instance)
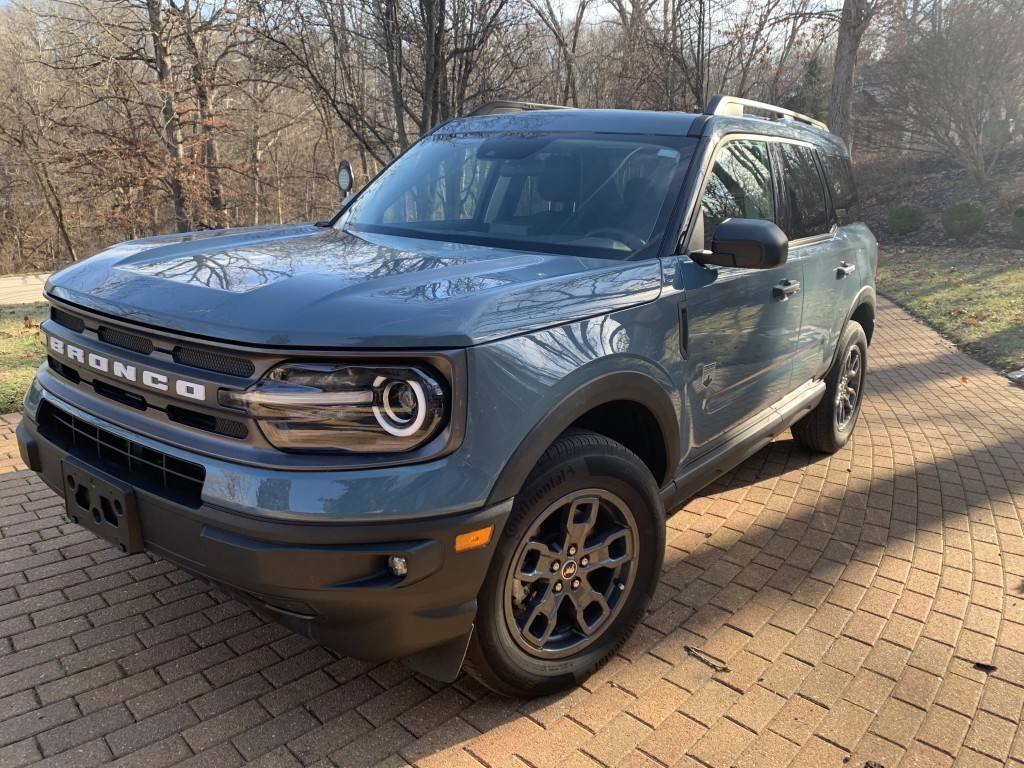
(545, 606)
(853, 366)
(582, 603)
(599, 551)
(537, 562)
(582, 516)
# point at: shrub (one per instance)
(906, 218)
(1018, 221)
(963, 218)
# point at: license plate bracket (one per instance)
(103, 504)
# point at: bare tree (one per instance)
(566, 36)
(854, 20)
(30, 121)
(432, 57)
(123, 118)
(954, 82)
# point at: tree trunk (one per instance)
(255, 160)
(53, 203)
(211, 154)
(391, 34)
(854, 22)
(174, 140)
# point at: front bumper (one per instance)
(329, 581)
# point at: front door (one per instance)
(742, 330)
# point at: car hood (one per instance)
(309, 286)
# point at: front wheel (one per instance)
(828, 427)
(574, 570)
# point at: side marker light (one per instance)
(481, 537)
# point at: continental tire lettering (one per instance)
(563, 474)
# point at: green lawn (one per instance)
(20, 351)
(975, 298)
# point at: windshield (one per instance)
(604, 195)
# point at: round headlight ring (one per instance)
(390, 421)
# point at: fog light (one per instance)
(398, 564)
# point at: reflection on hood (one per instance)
(314, 287)
(244, 268)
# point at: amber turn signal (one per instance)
(481, 537)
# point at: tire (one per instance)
(587, 498)
(828, 427)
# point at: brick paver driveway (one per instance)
(864, 609)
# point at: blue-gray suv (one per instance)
(446, 425)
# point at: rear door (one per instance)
(820, 251)
(742, 335)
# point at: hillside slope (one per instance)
(935, 183)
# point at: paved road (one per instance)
(22, 289)
(850, 598)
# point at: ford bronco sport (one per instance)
(445, 426)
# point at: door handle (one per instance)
(785, 289)
(845, 269)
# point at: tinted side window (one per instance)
(839, 175)
(740, 186)
(804, 193)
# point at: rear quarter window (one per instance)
(839, 178)
(805, 195)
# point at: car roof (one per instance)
(583, 120)
(627, 121)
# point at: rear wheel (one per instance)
(574, 569)
(828, 427)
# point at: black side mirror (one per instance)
(345, 177)
(746, 243)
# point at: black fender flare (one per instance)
(628, 386)
(865, 296)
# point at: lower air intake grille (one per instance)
(154, 471)
(207, 423)
(212, 361)
(66, 371)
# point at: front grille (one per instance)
(213, 361)
(194, 357)
(68, 320)
(126, 340)
(154, 471)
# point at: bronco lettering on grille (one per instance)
(120, 369)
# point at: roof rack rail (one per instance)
(502, 107)
(732, 105)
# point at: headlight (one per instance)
(355, 409)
